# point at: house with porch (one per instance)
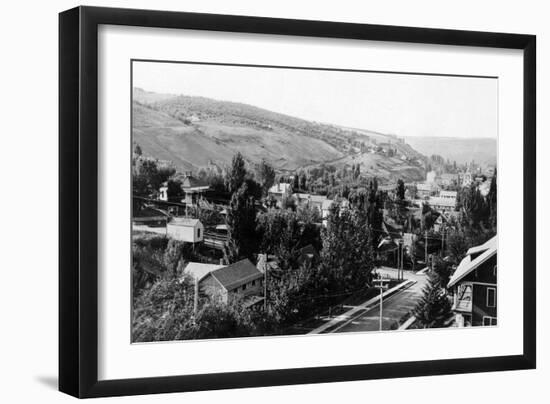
(474, 284)
(193, 188)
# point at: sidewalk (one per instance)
(334, 324)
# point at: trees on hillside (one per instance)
(236, 174)
(265, 175)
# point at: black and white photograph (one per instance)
(271, 201)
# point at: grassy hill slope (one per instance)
(194, 132)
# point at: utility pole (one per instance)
(426, 248)
(265, 284)
(382, 284)
(196, 299)
(442, 239)
(402, 258)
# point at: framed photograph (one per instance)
(251, 201)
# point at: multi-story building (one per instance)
(474, 284)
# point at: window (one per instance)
(244, 286)
(491, 297)
(253, 283)
(487, 321)
(198, 233)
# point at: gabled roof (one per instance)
(467, 265)
(236, 274)
(492, 243)
(192, 182)
(199, 270)
(184, 221)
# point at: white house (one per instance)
(184, 229)
(442, 204)
(279, 191)
(163, 192)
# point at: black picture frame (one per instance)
(78, 206)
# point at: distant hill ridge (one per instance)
(194, 132)
(461, 150)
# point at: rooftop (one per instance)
(237, 274)
(199, 270)
(468, 264)
(184, 221)
(442, 201)
(280, 188)
(190, 182)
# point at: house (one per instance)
(316, 201)
(193, 188)
(325, 208)
(186, 229)
(448, 194)
(445, 202)
(280, 191)
(474, 284)
(424, 190)
(447, 179)
(163, 192)
(240, 280)
(311, 200)
(465, 179)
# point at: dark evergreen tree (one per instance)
(266, 176)
(434, 308)
(237, 173)
(241, 226)
(400, 190)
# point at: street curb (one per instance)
(351, 313)
(407, 323)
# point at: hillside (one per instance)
(461, 150)
(194, 132)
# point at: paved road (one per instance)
(394, 309)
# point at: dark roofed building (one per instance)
(241, 279)
(474, 284)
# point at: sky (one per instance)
(400, 104)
